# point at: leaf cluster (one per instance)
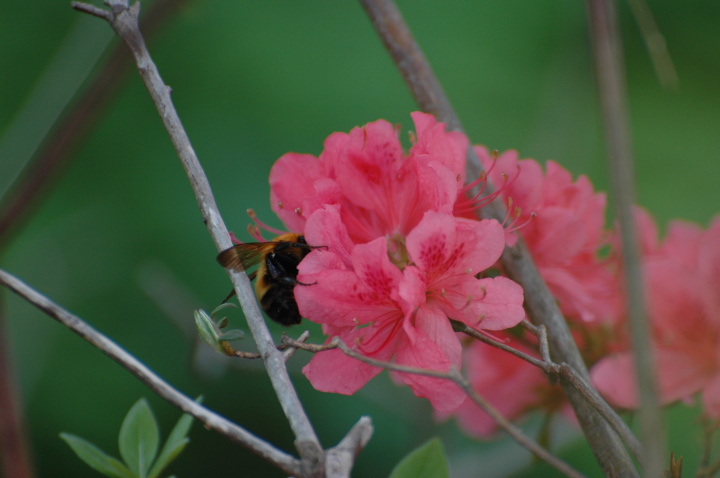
(138, 442)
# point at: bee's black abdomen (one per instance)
(279, 304)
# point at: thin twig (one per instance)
(55, 151)
(14, 447)
(517, 262)
(611, 86)
(124, 20)
(287, 350)
(516, 433)
(478, 335)
(288, 354)
(93, 10)
(709, 471)
(454, 376)
(656, 45)
(709, 429)
(17, 206)
(210, 419)
(566, 374)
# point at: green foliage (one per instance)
(139, 437)
(210, 330)
(96, 458)
(138, 442)
(426, 461)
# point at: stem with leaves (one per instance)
(210, 419)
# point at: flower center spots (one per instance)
(367, 169)
(433, 252)
(380, 286)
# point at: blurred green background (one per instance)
(118, 240)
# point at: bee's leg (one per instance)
(292, 245)
(229, 296)
(297, 282)
(304, 245)
(232, 292)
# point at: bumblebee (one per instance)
(276, 274)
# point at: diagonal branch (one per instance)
(124, 20)
(539, 303)
(210, 419)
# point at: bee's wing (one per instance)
(243, 256)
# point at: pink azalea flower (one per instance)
(401, 313)
(566, 235)
(396, 264)
(682, 279)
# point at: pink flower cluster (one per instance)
(400, 259)
(564, 235)
(682, 280)
(397, 264)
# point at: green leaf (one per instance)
(234, 334)
(139, 438)
(207, 330)
(427, 461)
(95, 458)
(174, 445)
(224, 305)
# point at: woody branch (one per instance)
(539, 302)
(124, 20)
(210, 419)
(453, 376)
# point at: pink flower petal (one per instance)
(333, 371)
(486, 242)
(325, 229)
(413, 288)
(678, 378)
(614, 378)
(556, 235)
(292, 180)
(380, 277)
(431, 243)
(418, 350)
(369, 165)
(435, 144)
(497, 305)
(434, 324)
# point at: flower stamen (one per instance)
(262, 225)
(477, 201)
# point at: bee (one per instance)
(276, 274)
